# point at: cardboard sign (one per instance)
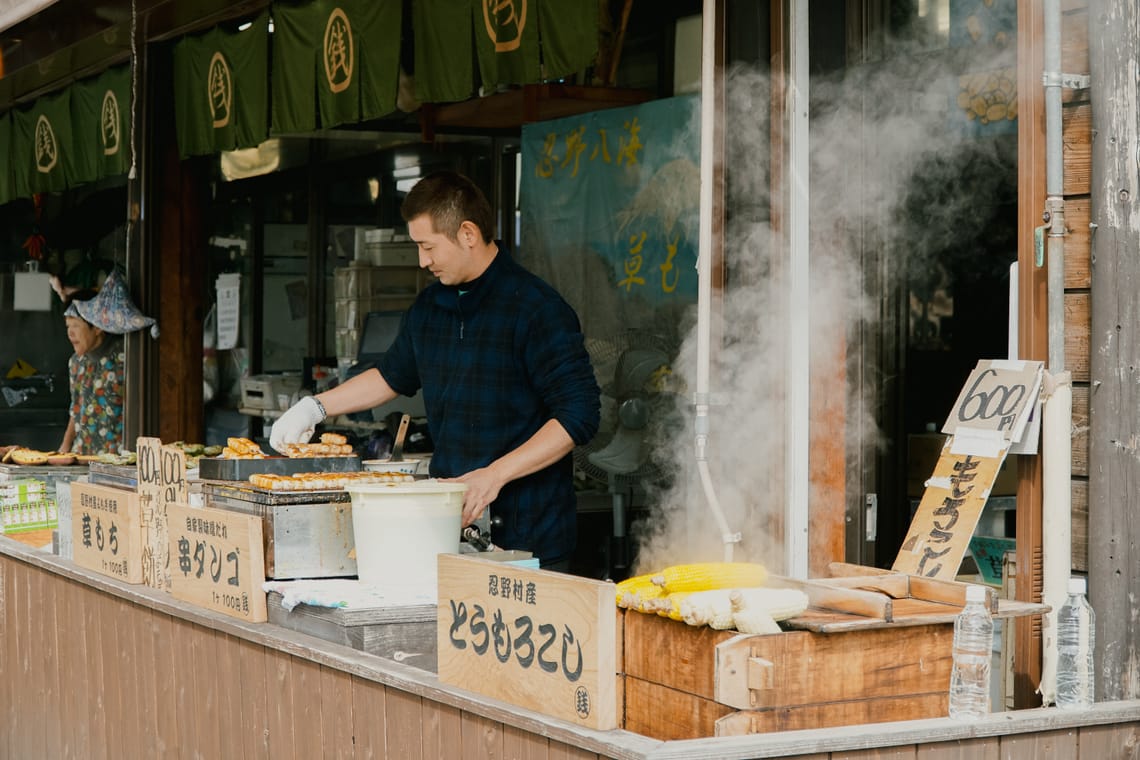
(998, 397)
(541, 640)
(217, 561)
(106, 529)
(161, 481)
(947, 515)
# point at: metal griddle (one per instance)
(242, 494)
(213, 468)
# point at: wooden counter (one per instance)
(94, 668)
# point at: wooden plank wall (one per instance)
(88, 674)
(1077, 139)
(85, 674)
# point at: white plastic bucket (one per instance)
(399, 529)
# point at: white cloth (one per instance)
(335, 592)
(297, 424)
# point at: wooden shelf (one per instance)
(524, 105)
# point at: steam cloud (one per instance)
(900, 195)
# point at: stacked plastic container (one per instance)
(356, 289)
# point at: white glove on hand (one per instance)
(297, 424)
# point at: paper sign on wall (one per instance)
(229, 310)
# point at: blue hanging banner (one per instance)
(610, 208)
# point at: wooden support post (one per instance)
(1114, 405)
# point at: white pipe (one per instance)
(1056, 525)
(1054, 188)
(797, 350)
(704, 272)
(1056, 444)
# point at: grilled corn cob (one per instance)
(637, 592)
(712, 608)
(780, 603)
(670, 606)
(716, 609)
(751, 620)
(706, 576)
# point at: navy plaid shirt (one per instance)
(496, 361)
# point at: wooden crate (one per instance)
(871, 648)
(679, 679)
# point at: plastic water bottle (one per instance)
(973, 645)
(1075, 638)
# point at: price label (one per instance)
(161, 481)
(541, 640)
(998, 397)
(106, 529)
(217, 561)
(946, 517)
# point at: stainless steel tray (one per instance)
(211, 468)
(233, 493)
(116, 475)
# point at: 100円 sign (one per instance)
(106, 529)
(217, 561)
(541, 640)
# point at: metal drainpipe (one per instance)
(1056, 436)
(1054, 215)
(704, 274)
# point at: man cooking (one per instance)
(507, 384)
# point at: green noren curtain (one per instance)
(444, 47)
(506, 41)
(516, 41)
(41, 146)
(569, 33)
(220, 98)
(334, 62)
(101, 111)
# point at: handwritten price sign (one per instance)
(106, 530)
(161, 481)
(998, 397)
(217, 561)
(541, 640)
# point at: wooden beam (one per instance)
(1032, 331)
(1114, 406)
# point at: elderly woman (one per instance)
(95, 378)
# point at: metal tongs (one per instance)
(478, 538)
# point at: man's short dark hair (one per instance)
(449, 199)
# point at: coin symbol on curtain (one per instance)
(338, 51)
(109, 123)
(505, 21)
(220, 90)
(47, 151)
